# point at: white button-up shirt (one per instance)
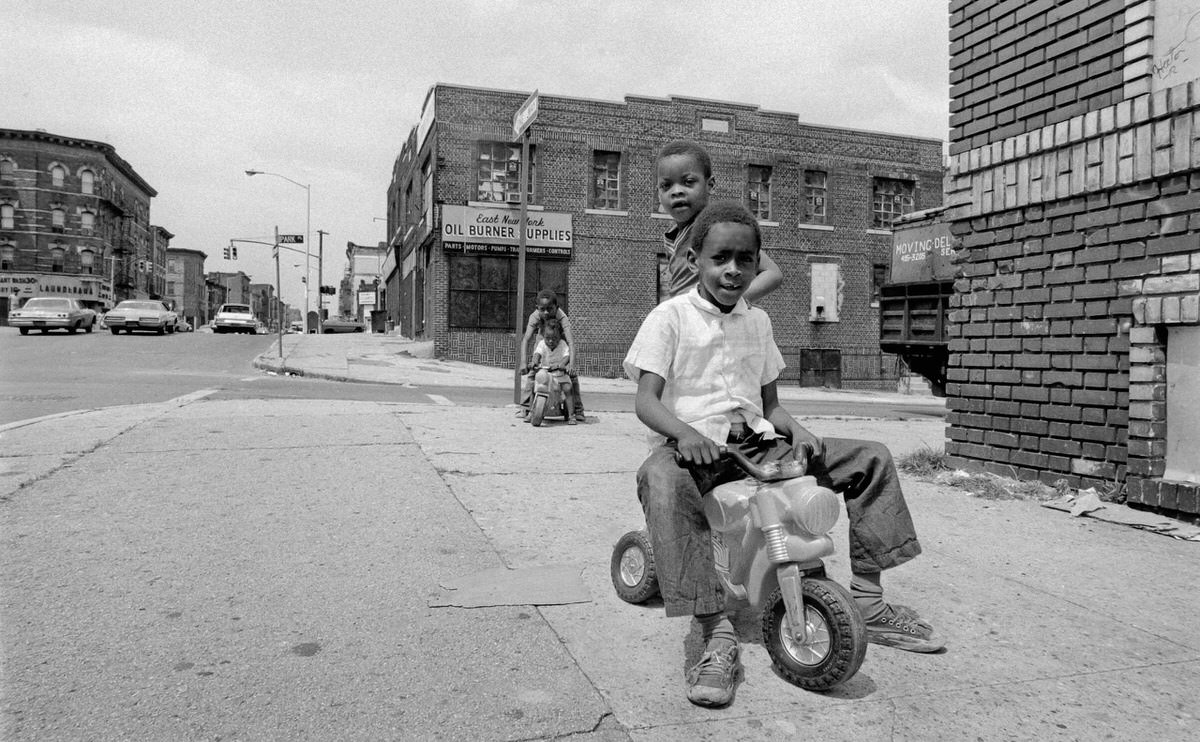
(714, 363)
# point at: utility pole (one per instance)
(275, 249)
(320, 280)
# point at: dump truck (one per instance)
(914, 303)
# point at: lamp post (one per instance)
(307, 220)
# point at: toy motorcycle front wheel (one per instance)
(837, 636)
(632, 568)
(538, 413)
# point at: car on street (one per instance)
(343, 324)
(235, 318)
(296, 327)
(46, 313)
(141, 314)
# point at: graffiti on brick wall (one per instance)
(1176, 43)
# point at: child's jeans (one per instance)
(881, 530)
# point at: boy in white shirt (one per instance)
(554, 355)
(706, 364)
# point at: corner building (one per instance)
(825, 198)
(75, 222)
(1075, 188)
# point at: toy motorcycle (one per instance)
(769, 534)
(547, 399)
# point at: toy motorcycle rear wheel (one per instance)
(837, 636)
(632, 568)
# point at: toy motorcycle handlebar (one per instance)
(767, 471)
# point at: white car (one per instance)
(235, 318)
(45, 313)
(141, 314)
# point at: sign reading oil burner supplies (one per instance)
(474, 230)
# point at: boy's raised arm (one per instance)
(769, 278)
(692, 446)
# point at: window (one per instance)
(58, 175)
(7, 169)
(171, 288)
(606, 184)
(87, 221)
(721, 126)
(499, 174)
(7, 252)
(87, 182)
(427, 192)
(87, 261)
(7, 213)
(759, 191)
(826, 294)
(814, 196)
(879, 277)
(891, 199)
(58, 255)
(482, 289)
(58, 218)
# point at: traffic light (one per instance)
(227, 249)
(328, 290)
(235, 253)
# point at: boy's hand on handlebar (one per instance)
(697, 449)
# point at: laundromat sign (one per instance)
(474, 230)
(35, 284)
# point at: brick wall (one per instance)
(612, 273)
(1081, 245)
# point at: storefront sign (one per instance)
(366, 298)
(923, 253)
(476, 230)
(84, 288)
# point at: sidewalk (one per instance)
(280, 569)
(391, 359)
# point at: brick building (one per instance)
(236, 286)
(825, 198)
(1075, 187)
(185, 284)
(74, 221)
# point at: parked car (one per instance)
(45, 313)
(141, 314)
(296, 327)
(235, 318)
(343, 324)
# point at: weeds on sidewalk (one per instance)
(930, 464)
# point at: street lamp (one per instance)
(307, 220)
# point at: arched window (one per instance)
(87, 182)
(87, 221)
(7, 169)
(58, 175)
(59, 255)
(58, 217)
(87, 262)
(7, 212)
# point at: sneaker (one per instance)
(911, 613)
(902, 630)
(711, 681)
(579, 417)
(571, 421)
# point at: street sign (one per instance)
(525, 115)
(291, 239)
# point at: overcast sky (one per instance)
(194, 93)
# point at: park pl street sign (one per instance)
(525, 115)
(291, 239)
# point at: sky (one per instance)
(192, 93)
